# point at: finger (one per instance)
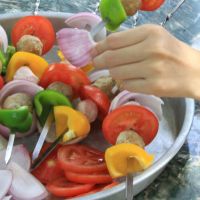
(126, 55)
(131, 71)
(120, 40)
(137, 85)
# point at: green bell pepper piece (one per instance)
(113, 13)
(5, 58)
(44, 102)
(17, 120)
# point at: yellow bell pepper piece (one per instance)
(88, 68)
(60, 55)
(122, 159)
(36, 63)
(73, 122)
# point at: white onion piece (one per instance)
(5, 182)
(24, 185)
(152, 102)
(3, 142)
(6, 131)
(25, 73)
(98, 74)
(3, 38)
(87, 21)
(75, 45)
(20, 155)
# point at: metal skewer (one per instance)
(9, 147)
(129, 182)
(47, 152)
(170, 14)
(42, 137)
(36, 8)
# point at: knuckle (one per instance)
(111, 41)
(108, 58)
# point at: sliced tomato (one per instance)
(49, 169)
(99, 187)
(65, 73)
(150, 5)
(38, 26)
(130, 117)
(81, 159)
(95, 178)
(98, 97)
(63, 188)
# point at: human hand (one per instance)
(148, 59)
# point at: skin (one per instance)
(148, 59)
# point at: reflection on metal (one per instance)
(170, 14)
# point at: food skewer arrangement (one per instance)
(60, 103)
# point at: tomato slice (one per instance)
(95, 178)
(65, 73)
(49, 169)
(150, 5)
(98, 97)
(37, 26)
(130, 117)
(63, 188)
(99, 188)
(81, 159)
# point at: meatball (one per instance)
(62, 88)
(130, 136)
(30, 44)
(131, 6)
(17, 100)
(105, 84)
(88, 108)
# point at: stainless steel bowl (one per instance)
(174, 127)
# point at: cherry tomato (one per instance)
(48, 170)
(95, 178)
(1, 82)
(81, 159)
(130, 117)
(98, 97)
(150, 5)
(37, 26)
(65, 73)
(63, 188)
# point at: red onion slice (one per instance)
(98, 74)
(17, 86)
(3, 38)
(87, 21)
(20, 155)
(75, 45)
(7, 197)
(3, 143)
(25, 73)
(5, 182)
(152, 102)
(24, 185)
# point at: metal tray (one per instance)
(174, 127)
